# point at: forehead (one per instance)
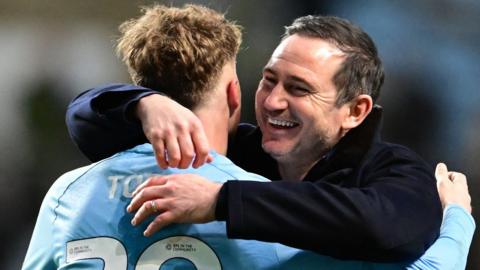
(312, 58)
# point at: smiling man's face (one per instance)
(295, 100)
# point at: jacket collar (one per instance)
(352, 148)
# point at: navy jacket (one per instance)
(367, 199)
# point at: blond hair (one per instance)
(178, 51)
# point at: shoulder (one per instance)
(247, 134)
(231, 170)
(396, 161)
(246, 129)
(67, 182)
(66, 179)
(384, 152)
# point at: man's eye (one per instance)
(300, 91)
(270, 80)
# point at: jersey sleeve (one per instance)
(45, 250)
(96, 117)
(41, 252)
(450, 250)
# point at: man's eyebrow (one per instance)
(292, 78)
(300, 80)
(269, 70)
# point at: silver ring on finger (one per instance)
(153, 205)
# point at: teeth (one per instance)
(282, 123)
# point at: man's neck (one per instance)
(296, 167)
(216, 129)
(291, 171)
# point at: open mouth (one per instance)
(282, 124)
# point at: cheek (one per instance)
(258, 108)
(316, 123)
(259, 97)
(328, 128)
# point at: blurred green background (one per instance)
(53, 50)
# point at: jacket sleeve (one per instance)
(393, 216)
(99, 122)
(450, 250)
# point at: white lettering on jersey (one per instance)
(126, 183)
(114, 181)
(129, 187)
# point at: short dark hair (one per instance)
(179, 51)
(362, 70)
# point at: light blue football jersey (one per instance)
(83, 224)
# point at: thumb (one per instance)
(441, 172)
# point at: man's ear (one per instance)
(233, 97)
(358, 109)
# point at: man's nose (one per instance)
(276, 99)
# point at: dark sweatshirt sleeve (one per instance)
(394, 215)
(100, 120)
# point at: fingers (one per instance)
(152, 181)
(459, 183)
(193, 146)
(457, 177)
(201, 147)
(441, 172)
(152, 188)
(159, 222)
(187, 151)
(182, 147)
(175, 132)
(452, 187)
(173, 151)
(184, 198)
(166, 147)
(160, 155)
(441, 169)
(148, 208)
(143, 196)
